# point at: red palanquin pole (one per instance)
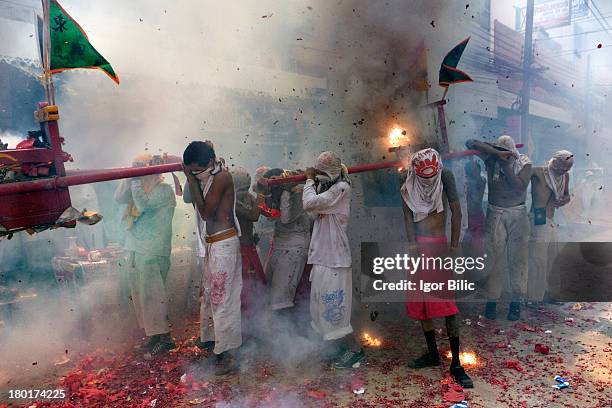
(355, 169)
(375, 166)
(76, 177)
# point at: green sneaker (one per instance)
(333, 353)
(349, 359)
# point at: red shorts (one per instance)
(421, 305)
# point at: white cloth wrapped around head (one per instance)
(518, 162)
(330, 164)
(556, 170)
(561, 161)
(242, 185)
(422, 190)
(507, 142)
(242, 179)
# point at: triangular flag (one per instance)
(70, 47)
(449, 74)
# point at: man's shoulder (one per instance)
(446, 172)
(448, 177)
(224, 177)
(342, 186)
(448, 185)
(166, 192)
(537, 171)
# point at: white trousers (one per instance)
(148, 291)
(330, 301)
(507, 249)
(220, 314)
(285, 268)
(543, 249)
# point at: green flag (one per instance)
(449, 74)
(70, 47)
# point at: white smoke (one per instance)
(12, 139)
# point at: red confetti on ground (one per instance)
(501, 346)
(525, 327)
(316, 394)
(453, 396)
(514, 364)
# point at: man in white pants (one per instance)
(205, 313)
(549, 191)
(291, 241)
(329, 197)
(214, 198)
(148, 221)
(507, 223)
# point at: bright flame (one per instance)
(397, 137)
(467, 358)
(370, 341)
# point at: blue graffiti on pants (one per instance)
(334, 306)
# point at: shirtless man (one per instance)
(424, 193)
(507, 222)
(549, 191)
(213, 196)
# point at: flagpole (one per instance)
(445, 92)
(48, 78)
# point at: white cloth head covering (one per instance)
(422, 191)
(242, 179)
(554, 173)
(520, 160)
(242, 184)
(330, 164)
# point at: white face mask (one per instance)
(427, 181)
(204, 176)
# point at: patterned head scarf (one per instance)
(554, 173)
(422, 190)
(331, 165)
